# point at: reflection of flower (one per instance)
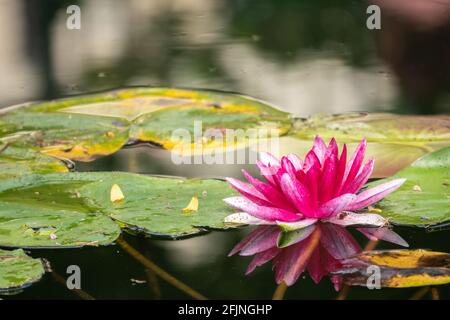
(299, 194)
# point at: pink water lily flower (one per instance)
(324, 187)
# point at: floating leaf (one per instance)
(84, 127)
(15, 162)
(424, 199)
(398, 268)
(18, 271)
(36, 211)
(76, 208)
(395, 141)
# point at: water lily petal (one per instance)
(248, 191)
(296, 193)
(291, 261)
(262, 258)
(319, 148)
(245, 218)
(385, 234)
(340, 171)
(296, 161)
(269, 173)
(248, 239)
(361, 178)
(328, 177)
(269, 192)
(354, 165)
(335, 206)
(268, 159)
(262, 242)
(375, 194)
(261, 212)
(347, 218)
(338, 242)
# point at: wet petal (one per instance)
(248, 191)
(319, 148)
(296, 161)
(262, 242)
(385, 234)
(346, 219)
(249, 238)
(361, 178)
(338, 242)
(292, 261)
(335, 206)
(268, 159)
(245, 218)
(375, 194)
(296, 193)
(261, 212)
(262, 258)
(269, 192)
(354, 165)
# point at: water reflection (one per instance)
(287, 52)
(317, 249)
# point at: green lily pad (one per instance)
(15, 162)
(84, 127)
(397, 268)
(18, 271)
(395, 141)
(75, 209)
(424, 199)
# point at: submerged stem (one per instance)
(159, 271)
(280, 291)
(82, 294)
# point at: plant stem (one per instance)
(159, 271)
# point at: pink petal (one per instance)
(245, 218)
(261, 212)
(269, 192)
(268, 173)
(289, 265)
(262, 242)
(248, 191)
(361, 178)
(296, 161)
(375, 194)
(262, 258)
(348, 218)
(319, 148)
(315, 269)
(268, 159)
(328, 177)
(354, 164)
(312, 176)
(338, 242)
(340, 170)
(296, 192)
(385, 234)
(248, 239)
(335, 206)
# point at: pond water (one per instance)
(305, 56)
